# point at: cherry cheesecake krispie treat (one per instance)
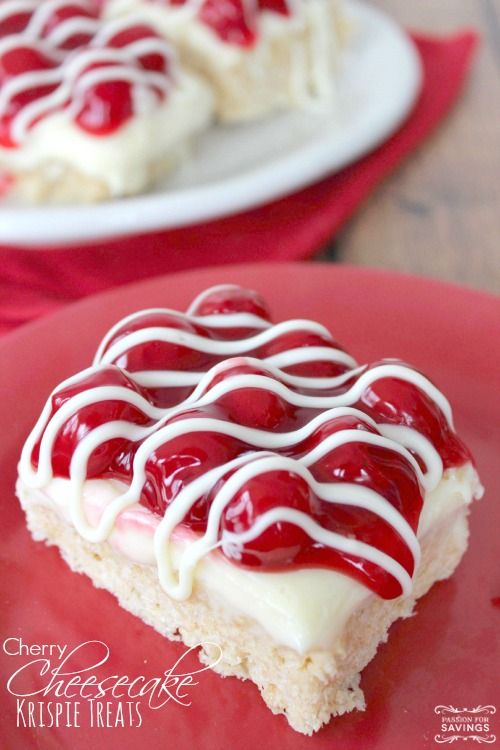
(259, 56)
(248, 484)
(89, 109)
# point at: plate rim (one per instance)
(347, 269)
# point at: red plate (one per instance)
(448, 654)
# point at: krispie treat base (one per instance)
(308, 688)
(59, 183)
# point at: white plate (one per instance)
(239, 167)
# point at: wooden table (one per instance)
(439, 214)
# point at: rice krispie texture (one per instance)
(307, 688)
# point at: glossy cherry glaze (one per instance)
(103, 107)
(236, 21)
(177, 462)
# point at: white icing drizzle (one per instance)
(313, 42)
(397, 438)
(70, 76)
(71, 27)
(10, 8)
(13, 41)
(224, 348)
(46, 9)
(202, 296)
(169, 378)
(107, 354)
(237, 320)
(253, 466)
(201, 397)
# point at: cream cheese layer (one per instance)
(121, 160)
(310, 32)
(305, 609)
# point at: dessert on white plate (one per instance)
(248, 484)
(259, 56)
(89, 109)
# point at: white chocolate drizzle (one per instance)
(265, 458)
(311, 26)
(76, 71)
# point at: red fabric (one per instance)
(35, 282)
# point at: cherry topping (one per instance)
(88, 418)
(178, 461)
(14, 24)
(103, 107)
(15, 62)
(254, 407)
(280, 543)
(300, 339)
(399, 402)
(21, 60)
(67, 13)
(229, 300)
(153, 61)
(160, 355)
(276, 6)
(228, 19)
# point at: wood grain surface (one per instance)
(439, 215)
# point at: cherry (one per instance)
(15, 62)
(237, 366)
(227, 300)
(228, 19)
(66, 13)
(298, 340)
(276, 6)
(153, 61)
(16, 104)
(14, 24)
(105, 107)
(385, 471)
(89, 417)
(278, 544)
(258, 408)
(254, 407)
(157, 355)
(23, 59)
(327, 428)
(178, 462)
(398, 402)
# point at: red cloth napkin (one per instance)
(34, 282)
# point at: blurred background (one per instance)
(439, 214)
(433, 185)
